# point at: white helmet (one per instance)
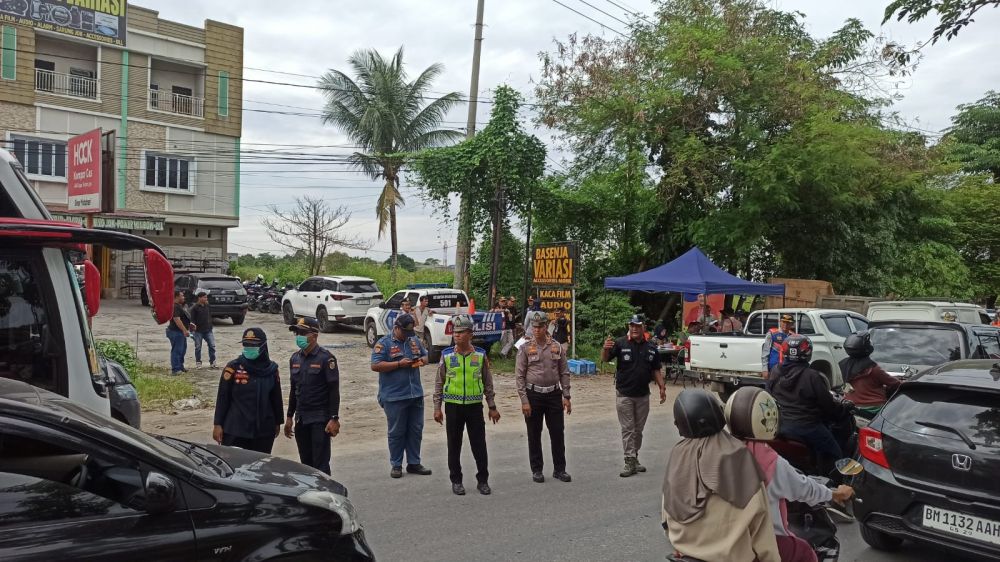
(752, 413)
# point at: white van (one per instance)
(45, 337)
(928, 311)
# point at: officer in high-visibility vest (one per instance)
(463, 380)
(773, 351)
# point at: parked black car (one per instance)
(125, 405)
(932, 460)
(226, 296)
(75, 485)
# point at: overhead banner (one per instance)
(83, 174)
(96, 20)
(555, 265)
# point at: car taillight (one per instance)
(378, 296)
(447, 328)
(687, 352)
(870, 446)
(340, 297)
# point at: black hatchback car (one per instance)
(226, 296)
(932, 463)
(77, 486)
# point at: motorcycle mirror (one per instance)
(849, 467)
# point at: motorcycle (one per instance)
(800, 456)
(811, 523)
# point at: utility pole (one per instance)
(463, 248)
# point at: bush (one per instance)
(289, 271)
(120, 352)
(596, 318)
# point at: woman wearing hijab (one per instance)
(752, 415)
(871, 386)
(248, 409)
(714, 504)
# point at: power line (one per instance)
(630, 11)
(609, 28)
(617, 19)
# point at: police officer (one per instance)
(542, 379)
(248, 406)
(463, 380)
(397, 358)
(772, 352)
(638, 365)
(314, 401)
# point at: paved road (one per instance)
(598, 516)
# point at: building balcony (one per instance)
(74, 85)
(179, 104)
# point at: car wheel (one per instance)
(144, 297)
(287, 314)
(433, 352)
(371, 335)
(323, 319)
(238, 319)
(879, 540)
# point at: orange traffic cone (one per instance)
(472, 306)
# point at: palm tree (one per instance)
(387, 117)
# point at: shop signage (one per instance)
(84, 172)
(554, 265)
(97, 20)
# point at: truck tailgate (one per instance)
(726, 353)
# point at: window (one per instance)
(973, 413)
(988, 345)
(446, 300)
(40, 157)
(838, 324)
(916, 346)
(805, 326)
(395, 301)
(8, 56)
(154, 96)
(860, 323)
(329, 285)
(223, 93)
(310, 285)
(45, 80)
(30, 344)
(82, 83)
(358, 287)
(171, 173)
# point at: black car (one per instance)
(932, 463)
(226, 296)
(75, 485)
(904, 347)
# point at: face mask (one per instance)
(302, 342)
(251, 353)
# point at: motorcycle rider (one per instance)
(809, 412)
(752, 415)
(871, 386)
(714, 503)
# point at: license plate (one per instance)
(961, 524)
(224, 299)
(364, 302)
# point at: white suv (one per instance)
(331, 300)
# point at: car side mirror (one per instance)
(381, 304)
(91, 287)
(159, 284)
(161, 494)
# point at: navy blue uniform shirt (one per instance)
(315, 394)
(248, 406)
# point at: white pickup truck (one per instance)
(443, 303)
(730, 361)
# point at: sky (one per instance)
(296, 41)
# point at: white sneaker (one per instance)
(197, 365)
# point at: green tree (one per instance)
(510, 279)
(388, 116)
(974, 207)
(404, 261)
(953, 15)
(974, 136)
(496, 171)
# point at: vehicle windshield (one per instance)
(916, 345)
(219, 283)
(127, 434)
(358, 287)
(973, 413)
(447, 300)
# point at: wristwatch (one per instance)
(493, 407)
(335, 418)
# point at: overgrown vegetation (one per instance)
(156, 387)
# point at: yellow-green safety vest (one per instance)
(463, 383)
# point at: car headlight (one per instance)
(336, 503)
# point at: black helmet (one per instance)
(697, 413)
(800, 349)
(859, 344)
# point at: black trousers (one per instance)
(548, 407)
(259, 444)
(457, 418)
(314, 445)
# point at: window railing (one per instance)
(176, 103)
(65, 84)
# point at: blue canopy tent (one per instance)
(692, 272)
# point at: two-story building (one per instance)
(170, 92)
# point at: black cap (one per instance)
(305, 326)
(405, 322)
(254, 337)
(637, 319)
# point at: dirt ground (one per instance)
(363, 422)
